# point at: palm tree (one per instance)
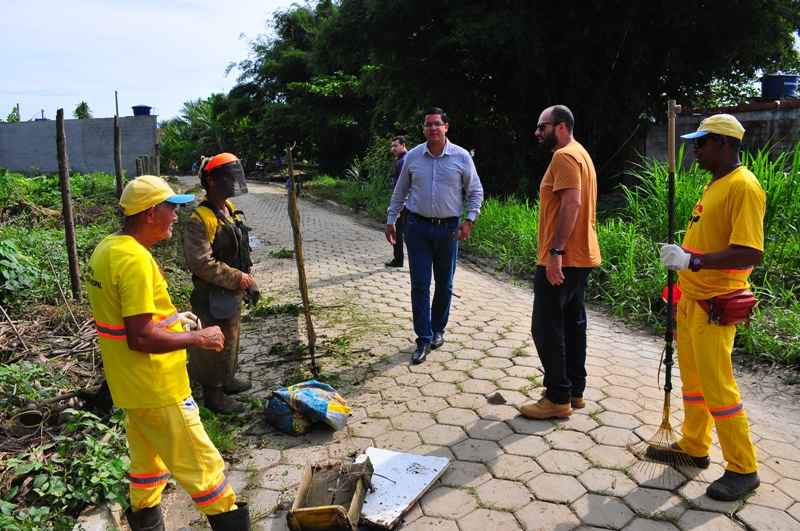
(82, 111)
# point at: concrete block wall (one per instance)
(30, 147)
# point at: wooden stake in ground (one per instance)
(294, 217)
(66, 202)
(118, 149)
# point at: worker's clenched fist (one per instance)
(210, 338)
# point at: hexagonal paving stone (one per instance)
(468, 354)
(439, 389)
(450, 376)
(414, 380)
(513, 467)
(578, 422)
(262, 501)
(456, 416)
(401, 441)
(503, 494)
(642, 524)
(569, 440)
(526, 445)
(467, 401)
(481, 387)
(695, 494)
(446, 502)
(498, 412)
(348, 447)
(513, 383)
(770, 496)
(426, 368)
(531, 427)
(491, 430)
(386, 410)
(544, 516)
(259, 459)
(305, 454)
(609, 457)
(485, 519)
(427, 404)
(432, 449)
(465, 474)
(376, 383)
(520, 371)
(370, 427)
(611, 482)
(656, 475)
(602, 511)
(475, 450)
(556, 488)
(618, 420)
(428, 523)
(496, 363)
(789, 486)
(779, 449)
(442, 435)
(413, 421)
(484, 373)
(461, 365)
(789, 469)
(656, 504)
(400, 393)
(562, 462)
(280, 477)
(620, 405)
(613, 436)
(705, 520)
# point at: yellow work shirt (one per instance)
(124, 280)
(730, 212)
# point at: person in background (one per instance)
(217, 251)
(399, 151)
(143, 340)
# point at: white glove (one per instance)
(675, 258)
(190, 321)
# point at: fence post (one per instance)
(66, 206)
(118, 156)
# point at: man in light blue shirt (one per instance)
(436, 178)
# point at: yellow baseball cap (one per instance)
(720, 124)
(148, 191)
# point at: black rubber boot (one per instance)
(733, 486)
(236, 520)
(675, 455)
(217, 401)
(236, 386)
(148, 519)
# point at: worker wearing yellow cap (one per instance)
(724, 240)
(217, 251)
(143, 342)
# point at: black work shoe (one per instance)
(423, 349)
(148, 519)
(236, 386)
(438, 340)
(394, 263)
(675, 454)
(217, 401)
(733, 486)
(236, 520)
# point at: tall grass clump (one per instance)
(507, 231)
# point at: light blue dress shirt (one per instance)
(435, 187)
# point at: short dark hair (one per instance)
(400, 139)
(562, 114)
(437, 110)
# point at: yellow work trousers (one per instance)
(172, 440)
(710, 394)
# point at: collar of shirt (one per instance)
(445, 151)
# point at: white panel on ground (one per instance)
(399, 480)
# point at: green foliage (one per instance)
(219, 430)
(18, 273)
(82, 111)
(13, 116)
(52, 483)
(26, 381)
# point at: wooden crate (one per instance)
(330, 497)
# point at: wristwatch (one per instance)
(696, 262)
(557, 252)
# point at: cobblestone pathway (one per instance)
(506, 472)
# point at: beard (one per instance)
(548, 141)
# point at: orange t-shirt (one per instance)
(571, 167)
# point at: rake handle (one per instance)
(672, 111)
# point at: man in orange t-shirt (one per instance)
(567, 252)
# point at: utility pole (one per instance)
(66, 205)
(118, 149)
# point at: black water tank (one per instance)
(141, 110)
(779, 86)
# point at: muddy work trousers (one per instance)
(168, 441)
(214, 369)
(710, 394)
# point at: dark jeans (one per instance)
(559, 332)
(431, 247)
(399, 226)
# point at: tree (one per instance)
(13, 116)
(82, 111)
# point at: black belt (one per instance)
(433, 221)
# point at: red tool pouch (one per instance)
(730, 309)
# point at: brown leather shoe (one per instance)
(545, 409)
(217, 401)
(577, 402)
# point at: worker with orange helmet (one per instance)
(217, 250)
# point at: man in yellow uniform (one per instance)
(723, 242)
(143, 344)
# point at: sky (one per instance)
(160, 53)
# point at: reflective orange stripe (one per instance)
(168, 319)
(148, 481)
(112, 332)
(726, 411)
(211, 495)
(697, 398)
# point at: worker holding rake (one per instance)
(724, 240)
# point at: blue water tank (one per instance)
(141, 110)
(779, 86)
